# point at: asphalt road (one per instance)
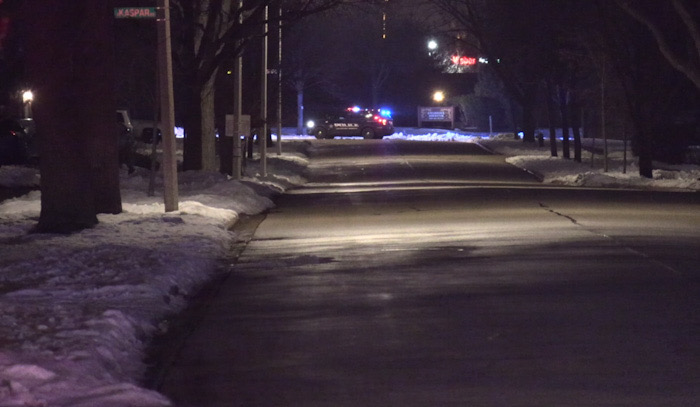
(435, 274)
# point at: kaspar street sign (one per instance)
(135, 12)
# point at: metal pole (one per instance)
(279, 80)
(262, 137)
(624, 154)
(237, 106)
(602, 119)
(167, 111)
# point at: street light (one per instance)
(432, 46)
(439, 96)
(27, 98)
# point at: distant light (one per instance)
(432, 45)
(354, 109)
(27, 96)
(310, 124)
(483, 60)
(439, 96)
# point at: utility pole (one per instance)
(167, 111)
(279, 80)
(237, 105)
(602, 118)
(262, 136)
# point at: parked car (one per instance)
(353, 122)
(17, 141)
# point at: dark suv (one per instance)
(353, 122)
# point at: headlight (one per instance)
(310, 124)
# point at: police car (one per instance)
(353, 122)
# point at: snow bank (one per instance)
(77, 311)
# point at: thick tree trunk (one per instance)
(645, 156)
(70, 65)
(189, 99)
(192, 146)
(528, 123)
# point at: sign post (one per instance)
(238, 110)
(167, 110)
(262, 131)
(165, 86)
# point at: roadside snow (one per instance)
(622, 172)
(77, 311)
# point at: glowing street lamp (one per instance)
(27, 98)
(432, 46)
(439, 96)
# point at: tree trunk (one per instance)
(513, 117)
(576, 129)
(528, 123)
(192, 146)
(208, 125)
(645, 148)
(300, 109)
(564, 109)
(551, 114)
(189, 98)
(70, 65)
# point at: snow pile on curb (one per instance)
(590, 172)
(79, 310)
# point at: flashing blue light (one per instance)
(355, 109)
(385, 113)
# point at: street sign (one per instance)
(134, 12)
(436, 114)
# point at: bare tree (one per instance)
(310, 58)
(209, 33)
(651, 89)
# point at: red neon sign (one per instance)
(463, 61)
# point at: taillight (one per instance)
(380, 120)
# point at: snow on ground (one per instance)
(77, 311)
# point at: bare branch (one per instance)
(689, 23)
(686, 67)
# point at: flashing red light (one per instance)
(380, 120)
